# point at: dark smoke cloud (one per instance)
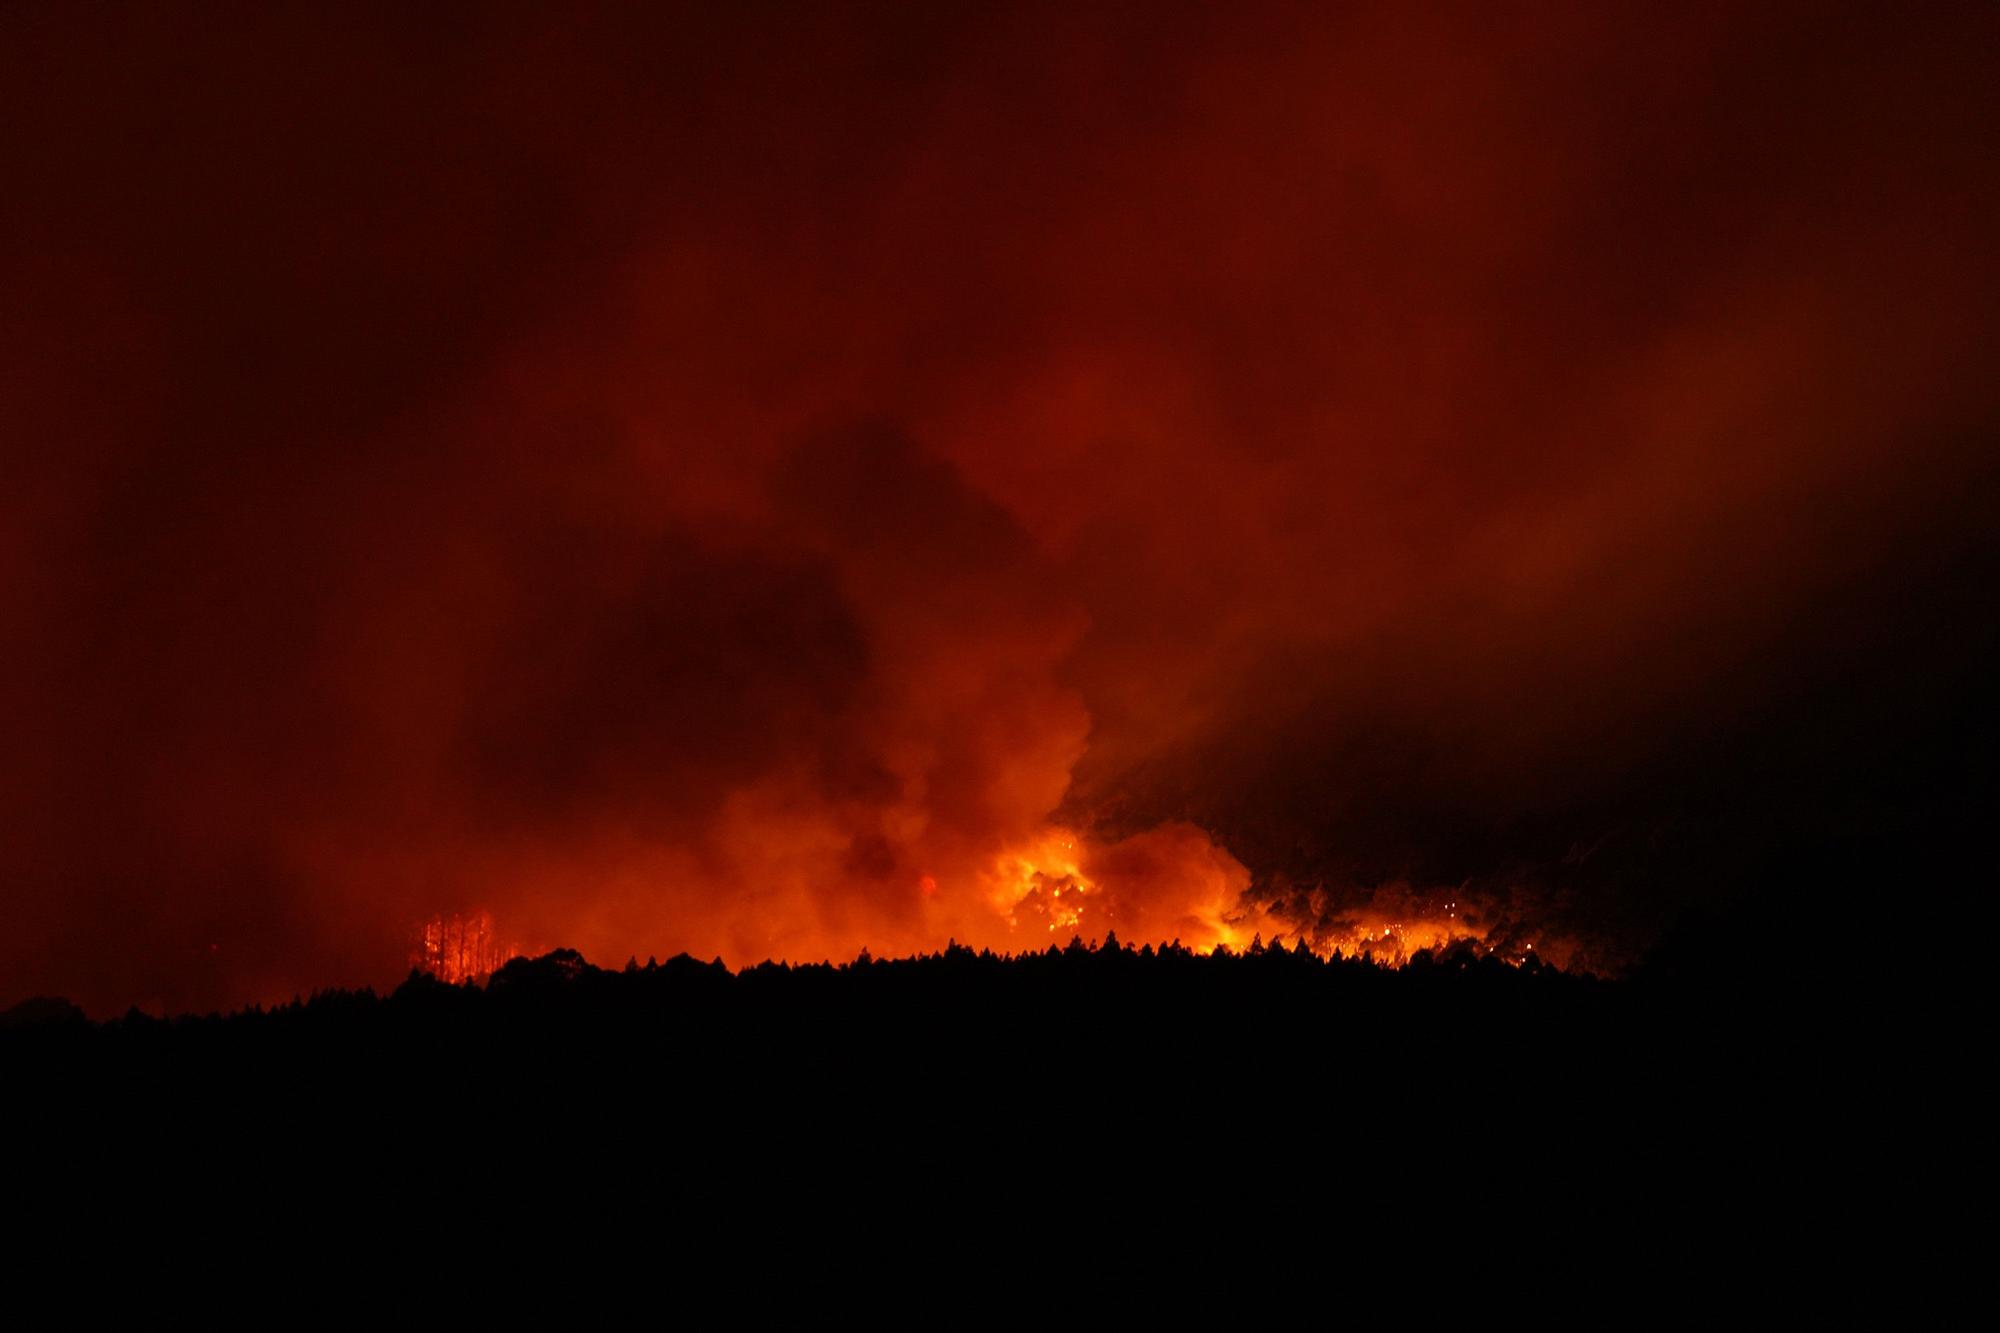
(694, 476)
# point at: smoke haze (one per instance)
(772, 480)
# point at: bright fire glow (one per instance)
(460, 948)
(1043, 884)
(1172, 884)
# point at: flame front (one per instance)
(1170, 885)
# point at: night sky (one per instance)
(771, 479)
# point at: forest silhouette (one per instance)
(951, 1077)
(1078, 1015)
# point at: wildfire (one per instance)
(1395, 942)
(1062, 884)
(1171, 884)
(1395, 922)
(460, 948)
(1043, 883)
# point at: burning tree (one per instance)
(459, 948)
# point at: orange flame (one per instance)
(1172, 884)
(459, 949)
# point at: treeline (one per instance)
(563, 982)
(1072, 1011)
(948, 1066)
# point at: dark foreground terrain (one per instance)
(1089, 1050)
(1035, 1113)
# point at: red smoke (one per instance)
(764, 483)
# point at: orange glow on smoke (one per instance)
(1395, 942)
(1043, 883)
(1325, 441)
(1170, 885)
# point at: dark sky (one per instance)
(764, 479)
